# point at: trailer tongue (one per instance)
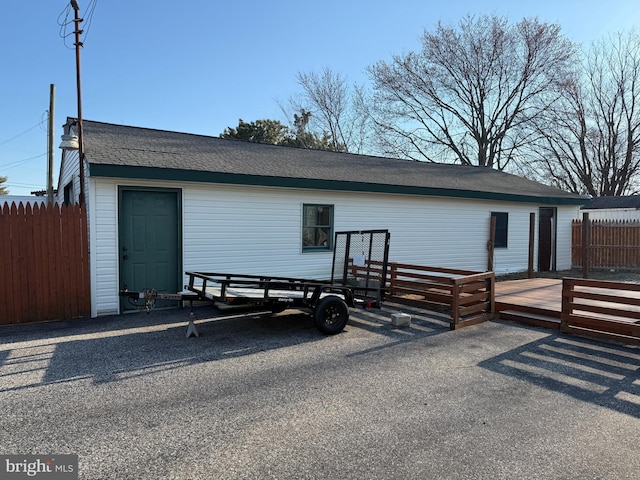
(358, 277)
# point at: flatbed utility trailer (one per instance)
(358, 279)
(329, 302)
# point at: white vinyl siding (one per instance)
(104, 252)
(258, 230)
(611, 214)
(249, 230)
(70, 176)
(69, 169)
(563, 240)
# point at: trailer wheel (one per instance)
(330, 315)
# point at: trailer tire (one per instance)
(330, 315)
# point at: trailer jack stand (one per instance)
(191, 329)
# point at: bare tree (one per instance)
(333, 108)
(590, 142)
(3, 190)
(471, 92)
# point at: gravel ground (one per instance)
(258, 396)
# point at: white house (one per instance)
(613, 208)
(161, 203)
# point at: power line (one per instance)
(22, 133)
(63, 22)
(17, 163)
(89, 14)
(22, 185)
(65, 19)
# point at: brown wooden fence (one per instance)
(601, 309)
(613, 244)
(44, 273)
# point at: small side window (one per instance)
(68, 193)
(317, 227)
(502, 229)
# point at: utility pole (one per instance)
(52, 95)
(77, 21)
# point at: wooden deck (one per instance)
(543, 293)
(604, 308)
(536, 301)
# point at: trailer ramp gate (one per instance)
(360, 260)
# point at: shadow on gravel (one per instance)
(115, 348)
(134, 345)
(606, 374)
(424, 323)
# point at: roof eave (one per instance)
(128, 171)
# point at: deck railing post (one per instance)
(491, 286)
(565, 312)
(455, 304)
(393, 270)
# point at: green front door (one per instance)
(149, 245)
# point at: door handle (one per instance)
(125, 257)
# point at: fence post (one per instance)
(586, 243)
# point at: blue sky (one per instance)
(201, 65)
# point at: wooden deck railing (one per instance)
(468, 296)
(602, 309)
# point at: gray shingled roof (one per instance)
(118, 146)
(630, 201)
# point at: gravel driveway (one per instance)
(258, 396)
